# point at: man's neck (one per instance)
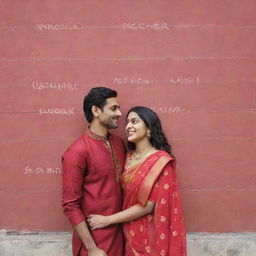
(99, 130)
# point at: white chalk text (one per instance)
(45, 85)
(57, 111)
(59, 27)
(130, 80)
(184, 80)
(170, 109)
(41, 170)
(142, 26)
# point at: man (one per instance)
(92, 166)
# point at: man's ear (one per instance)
(95, 111)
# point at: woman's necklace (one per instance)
(137, 157)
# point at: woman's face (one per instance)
(136, 129)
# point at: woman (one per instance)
(152, 213)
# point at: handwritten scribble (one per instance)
(42, 85)
(130, 80)
(142, 26)
(41, 170)
(57, 111)
(169, 109)
(184, 80)
(59, 27)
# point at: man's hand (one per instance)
(98, 221)
(96, 252)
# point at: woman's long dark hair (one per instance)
(152, 121)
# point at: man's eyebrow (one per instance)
(115, 105)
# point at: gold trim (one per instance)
(96, 136)
(149, 180)
(108, 145)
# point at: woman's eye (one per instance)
(134, 121)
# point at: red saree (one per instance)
(161, 232)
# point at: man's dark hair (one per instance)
(97, 96)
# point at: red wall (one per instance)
(192, 61)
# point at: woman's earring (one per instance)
(148, 134)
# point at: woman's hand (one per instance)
(98, 221)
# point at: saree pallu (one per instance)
(162, 232)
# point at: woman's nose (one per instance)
(128, 125)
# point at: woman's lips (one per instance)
(130, 133)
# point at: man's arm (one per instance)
(85, 236)
(73, 177)
(132, 213)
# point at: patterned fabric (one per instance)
(161, 232)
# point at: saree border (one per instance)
(149, 180)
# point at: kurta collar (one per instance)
(96, 136)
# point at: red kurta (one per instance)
(91, 174)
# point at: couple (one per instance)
(95, 169)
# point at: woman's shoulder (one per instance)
(164, 153)
(169, 160)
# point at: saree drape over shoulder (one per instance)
(162, 232)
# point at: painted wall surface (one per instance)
(192, 61)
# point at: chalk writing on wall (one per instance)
(174, 80)
(130, 80)
(59, 27)
(184, 80)
(170, 109)
(41, 170)
(57, 111)
(42, 85)
(142, 26)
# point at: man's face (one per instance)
(110, 113)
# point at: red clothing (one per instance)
(91, 172)
(162, 232)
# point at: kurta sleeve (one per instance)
(74, 164)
